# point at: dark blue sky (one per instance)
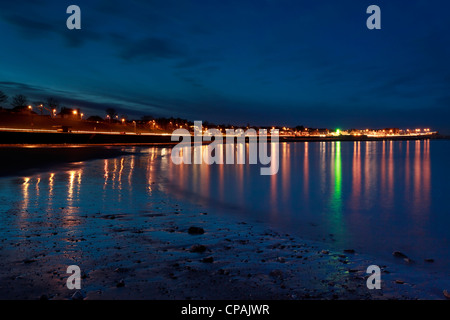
(264, 61)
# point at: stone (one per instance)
(196, 231)
(208, 260)
(198, 248)
(120, 284)
(399, 254)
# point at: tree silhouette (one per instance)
(19, 101)
(39, 105)
(111, 112)
(3, 97)
(52, 103)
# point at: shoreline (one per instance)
(15, 160)
(57, 138)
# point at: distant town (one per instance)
(48, 116)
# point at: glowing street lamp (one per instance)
(75, 112)
(30, 107)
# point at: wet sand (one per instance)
(152, 255)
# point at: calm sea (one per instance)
(373, 197)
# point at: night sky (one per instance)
(261, 62)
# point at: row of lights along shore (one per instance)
(54, 111)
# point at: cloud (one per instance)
(104, 22)
(149, 49)
(29, 27)
(94, 103)
(32, 27)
